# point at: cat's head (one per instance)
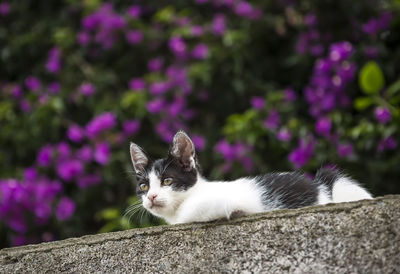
(163, 184)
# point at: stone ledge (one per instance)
(361, 237)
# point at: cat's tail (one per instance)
(336, 187)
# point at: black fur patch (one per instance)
(290, 190)
(171, 168)
(327, 177)
(142, 178)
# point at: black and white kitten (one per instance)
(173, 188)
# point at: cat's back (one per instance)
(287, 190)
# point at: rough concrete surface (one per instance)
(358, 237)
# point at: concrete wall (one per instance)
(359, 237)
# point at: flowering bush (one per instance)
(261, 86)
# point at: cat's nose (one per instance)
(152, 197)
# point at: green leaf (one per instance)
(108, 227)
(109, 214)
(64, 37)
(362, 103)
(393, 88)
(165, 15)
(371, 78)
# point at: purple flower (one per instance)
(16, 91)
(32, 83)
(137, 84)
(45, 155)
(375, 25)
(323, 126)
(54, 87)
(197, 31)
(317, 50)
(42, 211)
(177, 77)
(199, 142)
(290, 95)
(158, 88)
(105, 23)
(131, 127)
(53, 64)
(389, 143)
(84, 154)
(155, 64)
(238, 151)
(91, 21)
(63, 150)
(310, 19)
(227, 151)
(272, 120)
(340, 51)
(4, 8)
(303, 153)
(371, 52)
(284, 135)
(83, 38)
(100, 123)
(218, 26)
(257, 102)
(382, 115)
(243, 8)
(30, 174)
(134, 11)
(346, 71)
(102, 153)
(176, 106)
(18, 224)
(200, 51)
(155, 105)
(165, 131)
(25, 105)
(134, 37)
(177, 46)
(371, 27)
(65, 209)
(87, 89)
(18, 240)
(69, 169)
(76, 133)
(182, 21)
(323, 66)
(345, 150)
(89, 180)
(43, 99)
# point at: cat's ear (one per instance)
(139, 158)
(183, 150)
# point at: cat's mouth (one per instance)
(156, 205)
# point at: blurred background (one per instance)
(260, 86)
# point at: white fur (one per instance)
(205, 201)
(347, 190)
(323, 196)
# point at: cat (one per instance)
(173, 188)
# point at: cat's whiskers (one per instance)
(133, 209)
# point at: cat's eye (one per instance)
(167, 181)
(144, 187)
